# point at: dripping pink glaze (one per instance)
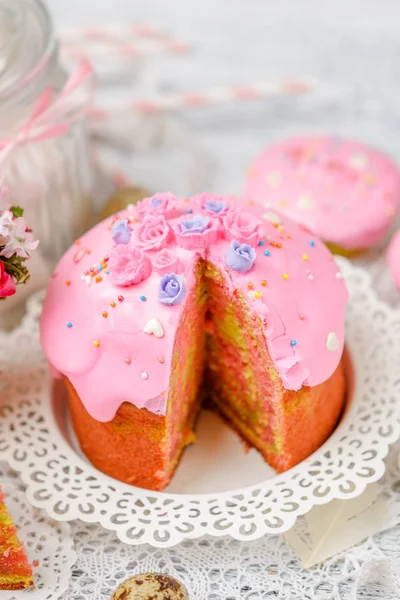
(101, 375)
(354, 190)
(393, 258)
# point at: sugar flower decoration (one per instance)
(243, 227)
(196, 224)
(153, 233)
(128, 265)
(121, 232)
(240, 257)
(172, 289)
(196, 232)
(160, 204)
(166, 261)
(212, 205)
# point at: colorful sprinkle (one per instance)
(189, 211)
(69, 324)
(88, 251)
(96, 343)
(104, 314)
(261, 243)
(285, 276)
(250, 286)
(98, 279)
(121, 298)
(257, 294)
(77, 242)
(302, 316)
(293, 343)
(267, 253)
(305, 257)
(68, 282)
(161, 359)
(264, 282)
(127, 360)
(143, 298)
(113, 304)
(281, 228)
(276, 244)
(144, 375)
(311, 243)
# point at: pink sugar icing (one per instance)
(345, 192)
(301, 308)
(393, 258)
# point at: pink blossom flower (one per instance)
(6, 223)
(166, 261)
(128, 265)
(153, 233)
(243, 227)
(7, 284)
(160, 204)
(20, 240)
(196, 232)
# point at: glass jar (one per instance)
(51, 178)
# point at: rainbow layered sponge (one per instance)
(179, 300)
(15, 571)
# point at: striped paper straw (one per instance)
(211, 97)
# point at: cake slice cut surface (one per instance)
(15, 571)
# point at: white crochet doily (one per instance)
(48, 543)
(34, 441)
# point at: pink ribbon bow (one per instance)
(53, 117)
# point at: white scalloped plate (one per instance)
(218, 489)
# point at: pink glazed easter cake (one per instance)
(344, 191)
(174, 300)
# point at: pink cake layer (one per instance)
(345, 192)
(114, 343)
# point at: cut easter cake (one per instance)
(15, 571)
(174, 296)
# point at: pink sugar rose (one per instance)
(128, 265)
(153, 233)
(243, 227)
(7, 283)
(166, 262)
(212, 205)
(159, 204)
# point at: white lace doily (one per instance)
(48, 543)
(33, 440)
(226, 569)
